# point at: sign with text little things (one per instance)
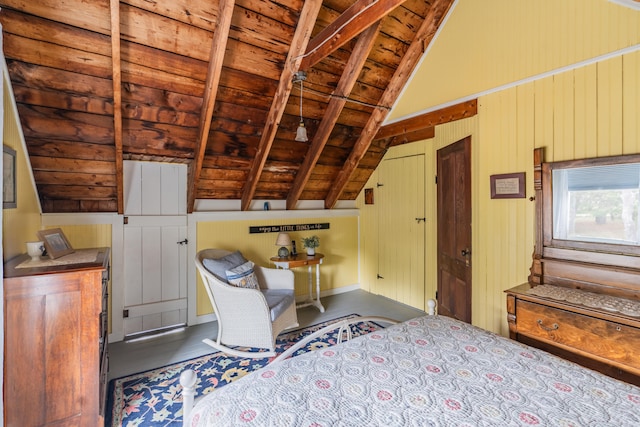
(288, 228)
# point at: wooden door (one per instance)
(401, 264)
(155, 247)
(454, 230)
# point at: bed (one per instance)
(428, 371)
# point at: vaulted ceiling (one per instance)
(210, 84)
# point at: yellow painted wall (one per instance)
(19, 225)
(574, 107)
(369, 214)
(339, 244)
(87, 235)
(489, 43)
(587, 112)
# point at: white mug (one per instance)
(35, 249)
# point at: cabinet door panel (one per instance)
(62, 353)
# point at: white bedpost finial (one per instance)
(432, 307)
(188, 381)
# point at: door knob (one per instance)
(465, 252)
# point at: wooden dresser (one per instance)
(558, 320)
(55, 331)
(582, 300)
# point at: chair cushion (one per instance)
(278, 300)
(219, 266)
(243, 276)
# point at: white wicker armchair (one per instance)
(244, 315)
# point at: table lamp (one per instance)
(283, 241)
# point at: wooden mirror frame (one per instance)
(592, 266)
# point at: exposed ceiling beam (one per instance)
(117, 100)
(352, 22)
(434, 118)
(301, 37)
(423, 37)
(407, 137)
(336, 104)
(216, 58)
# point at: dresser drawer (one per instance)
(612, 341)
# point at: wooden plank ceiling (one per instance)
(210, 84)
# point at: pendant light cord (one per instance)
(301, 83)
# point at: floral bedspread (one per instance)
(429, 371)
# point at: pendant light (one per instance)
(301, 132)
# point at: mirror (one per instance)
(587, 230)
(597, 204)
(594, 204)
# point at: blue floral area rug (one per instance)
(153, 398)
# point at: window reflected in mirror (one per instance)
(597, 204)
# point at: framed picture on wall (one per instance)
(8, 178)
(508, 186)
(55, 242)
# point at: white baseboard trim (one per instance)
(341, 290)
(115, 338)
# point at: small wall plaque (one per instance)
(508, 186)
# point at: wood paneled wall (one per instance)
(587, 112)
(498, 42)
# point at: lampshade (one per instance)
(301, 133)
(283, 239)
